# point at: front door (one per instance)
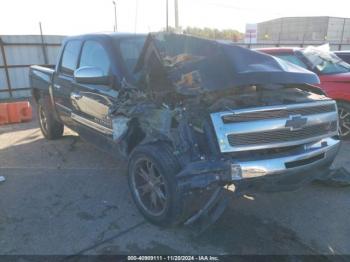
(63, 81)
(92, 103)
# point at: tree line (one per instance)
(212, 33)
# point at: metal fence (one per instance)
(17, 53)
(333, 46)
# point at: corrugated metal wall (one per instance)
(306, 30)
(17, 53)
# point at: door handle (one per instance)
(75, 96)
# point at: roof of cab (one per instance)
(106, 35)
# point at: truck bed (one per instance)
(41, 76)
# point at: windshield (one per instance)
(292, 59)
(325, 62)
(130, 49)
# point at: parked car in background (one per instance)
(344, 55)
(333, 72)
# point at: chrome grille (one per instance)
(279, 113)
(282, 135)
(273, 126)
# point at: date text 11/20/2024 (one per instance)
(173, 258)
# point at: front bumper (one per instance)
(311, 156)
(282, 172)
(288, 172)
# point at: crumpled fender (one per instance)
(202, 174)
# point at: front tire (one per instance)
(344, 120)
(151, 176)
(49, 126)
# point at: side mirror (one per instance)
(91, 75)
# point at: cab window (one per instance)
(131, 49)
(292, 59)
(94, 54)
(70, 57)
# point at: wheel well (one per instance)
(135, 135)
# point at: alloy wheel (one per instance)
(149, 186)
(43, 119)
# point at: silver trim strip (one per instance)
(92, 124)
(279, 107)
(63, 107)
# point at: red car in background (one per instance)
(333, 72)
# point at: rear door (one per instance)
(63, 80)
(93, 102)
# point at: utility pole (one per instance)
(176, 16)
(342, 35)
(279, 34)
(167, 15)
(43, 46)
(250, 40)
(302, 44)
(115, 16)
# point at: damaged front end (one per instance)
(230, 116)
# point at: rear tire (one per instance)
(344, 120)
(152, 182)
(50, 127)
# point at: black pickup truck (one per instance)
(192, 117)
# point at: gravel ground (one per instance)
(66, 197)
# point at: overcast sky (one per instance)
(67, 17)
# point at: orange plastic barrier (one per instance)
(15, 112)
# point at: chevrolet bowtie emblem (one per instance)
(296, 122)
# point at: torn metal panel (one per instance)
(157, 120)
(120, 126)
(210, 212)
(202, 174)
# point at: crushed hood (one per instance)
(194, 65)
